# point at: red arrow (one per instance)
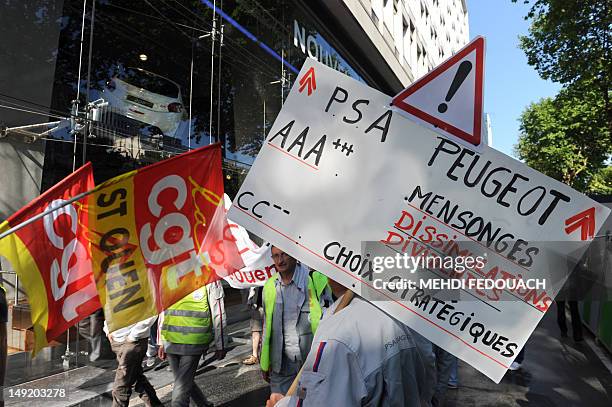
(584, 220)
(308, 79)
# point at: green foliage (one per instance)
(566, 138)
(601, 183)
(569, 40)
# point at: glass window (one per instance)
(155, 79)
(149, 81)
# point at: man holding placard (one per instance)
(292, 300)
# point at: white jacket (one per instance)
(132, 333)
(360, 357)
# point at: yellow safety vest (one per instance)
(316, 284)
(188, 320)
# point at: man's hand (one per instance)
(220, 354)
(274, 398)
(265, 375)
(161, 353)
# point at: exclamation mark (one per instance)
(462, 72)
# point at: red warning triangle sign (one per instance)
(450, 97)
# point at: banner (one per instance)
(341, 167)
(257, 270)
(52, 259)
(159, 233)
(258, 264)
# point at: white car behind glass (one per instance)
(146, 97)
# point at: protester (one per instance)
(130, 345)
(187, 333)
(578, 284)
(92, 329)
(576, 320)
(292, 301)
(444, 364)
(255, 303)
(438, 365)
(426, 350)
(360, 356)
(3, 340)
(152, 346)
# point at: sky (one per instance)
(510, 84)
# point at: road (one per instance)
(556, 372)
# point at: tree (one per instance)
(601, 183)
(569, 42)
(568, 137)
(565, 137)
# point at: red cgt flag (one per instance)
(158, 233)
(52, 259)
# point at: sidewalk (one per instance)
(556, 372)
(90, 385)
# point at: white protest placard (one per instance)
(340, 166)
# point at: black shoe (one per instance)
(564, 334)
(578, 338)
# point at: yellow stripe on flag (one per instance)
(122, 278)
(14, 250)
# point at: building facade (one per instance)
(213, 70)
(411, 36)
(156, 78)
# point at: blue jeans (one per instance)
(453, 379)
(152, 345)
(444, 362)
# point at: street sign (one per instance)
(450, 97)
(341, 166)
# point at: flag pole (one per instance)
(45, 213)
